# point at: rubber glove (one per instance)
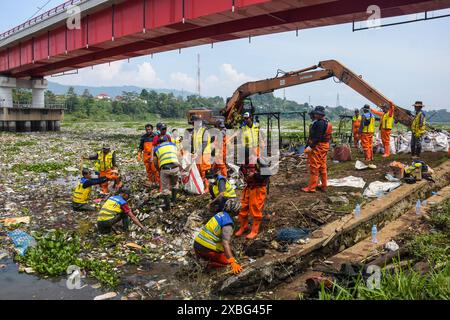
(235, 267)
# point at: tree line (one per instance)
(135, 106)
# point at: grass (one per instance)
(25, 143)
(406, 283)
(397, 285)
(41, 167)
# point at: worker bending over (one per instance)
(386, 125)
(356, 123)
(418, 128)
(253, 197)
(81, 194)
(105, 164)
(220, 189)
(367, 130)
(116, 209)
(317, 149)
(145, 152)
(166, 160)
(213, 241)
(202, 148)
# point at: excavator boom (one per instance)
(324, 70)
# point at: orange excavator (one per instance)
(324, 70)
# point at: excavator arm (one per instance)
(324, 70)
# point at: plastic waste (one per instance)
(418, 207)
(22, 240)
(380, 194)
(374, 234)
(391, 246)
(357, 211)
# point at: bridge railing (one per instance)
(44, 16)
(27, 105)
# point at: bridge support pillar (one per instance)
(38, 87)
(27, 126)
(57, 125)
(42, 125)
(12, 126)
(6, 86)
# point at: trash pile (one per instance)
(401, 143)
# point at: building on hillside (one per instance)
(103, 96)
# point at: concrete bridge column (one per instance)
(6, 86)
(12, 126)
(42, 125)
(27, 126)
(50, 125)
(57, 125)
(38, 88)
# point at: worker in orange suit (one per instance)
(202, 148)
(367, 130)
(386, 125)
(317, 149)
(356, 123)
(145, 152)
(253, 198)
(221, 152)
(105, 166)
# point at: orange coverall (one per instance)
(147, 150)
(367, 145)
(385, 132)
(253, 198)
(203, 167)
(355, 128)
(222, 166)
(317, 157)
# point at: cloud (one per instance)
(221, 83)
(117, 74)
(225, 82)
(233, 75)
(182, 81)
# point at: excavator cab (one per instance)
(204, 114)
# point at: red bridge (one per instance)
(114, 30)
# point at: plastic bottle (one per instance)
(357, 211)
(380, 194)
(374, 234)
(418, 207)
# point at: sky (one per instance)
(406, 63)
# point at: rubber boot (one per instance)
(313, 180)
(324, 178)
(243, 226)
(174, 195)
(166, 202)
(255, 229)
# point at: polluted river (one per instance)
(38, 172)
